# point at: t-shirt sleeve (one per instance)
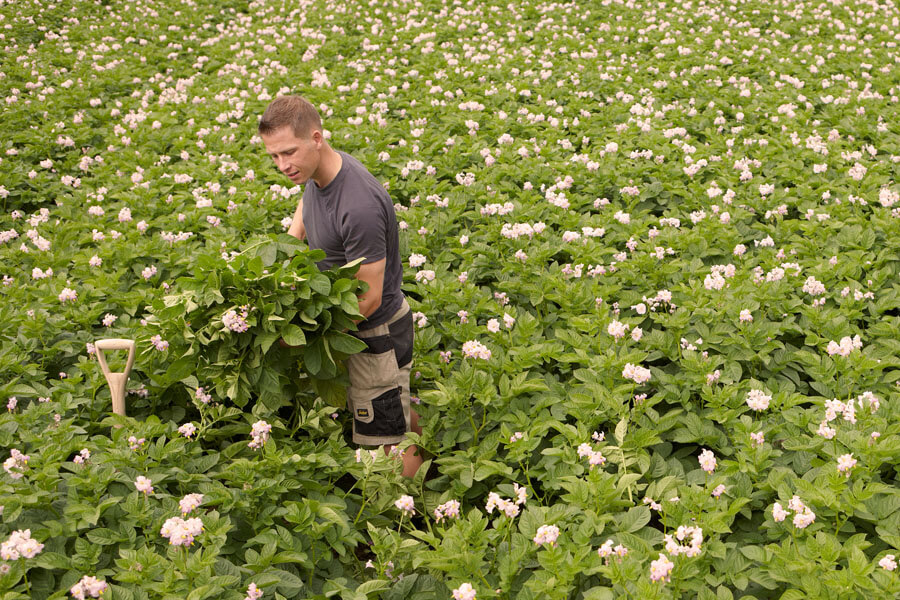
(364, 231)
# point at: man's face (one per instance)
(296, 157)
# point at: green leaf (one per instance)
(312, 359)
(345, 343)
(634, 519)
(104, 537)
(373, 585)
(181, 369)
(293, 335)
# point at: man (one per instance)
(348, 214)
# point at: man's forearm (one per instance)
(297, 229)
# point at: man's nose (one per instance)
(279, 162)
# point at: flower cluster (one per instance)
(845, 347)
(507, 507)
(143, 484)
(82, 456)
(661, 568)
(406, 505)
(235, 321)
(475, 349)
(260, 433)
(546, 535)
(803, 516)
(464, 592)
(160, 344)
(707, 461)
(135, 443)
(16, 463)
(448, 510)
(181, 532)
(189, 503)
(758, 400)
(595, 457)
(845, 463)
(636, 373)
(253, 592)
(692, 548)
(88, 587)
(606, 550)
(20, 544)
(187, 430)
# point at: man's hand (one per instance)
(372, 274)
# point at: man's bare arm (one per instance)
(372, 274)
(297, 228)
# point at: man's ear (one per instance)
(318, 138)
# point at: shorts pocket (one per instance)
(402, 337)
(380, 416)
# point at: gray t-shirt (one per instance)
(353, 217)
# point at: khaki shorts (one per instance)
(378, 396)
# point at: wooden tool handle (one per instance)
(117, 381)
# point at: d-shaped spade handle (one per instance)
(117, 381)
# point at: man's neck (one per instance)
(329, 166)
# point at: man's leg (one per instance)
(412, 460)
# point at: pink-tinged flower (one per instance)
(757, 439)
(694, 536)
(68, 295)
(888, 562)
(447, 510)
(707, 461)
(475, 349)
(616, 329)
(493, 325)
(546, 535)
(661, 569)
(181, 532)
(445, 356)
(12, 403)
(463, 316)
(260, 434)
(516, 437)
(845, 463)
(653, 504)
(20, 544)
(713, 377)
(88, 587)
(508, 320)
(149, 272)
(142, 484)
(201, 395)
(464, 592)
(235, 321)
(636, 373)
(253, 592)
(160, 344)
(758, 400)
(720, 489)
(135, 443)
(845, 347)
(804, 519)
(825, 431)
(406, 505)
(746, 317)
(189, 503)
(187, 430)
(16, 464)
(778, 512)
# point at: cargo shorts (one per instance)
(378, 396)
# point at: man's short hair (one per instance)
(295, 112)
